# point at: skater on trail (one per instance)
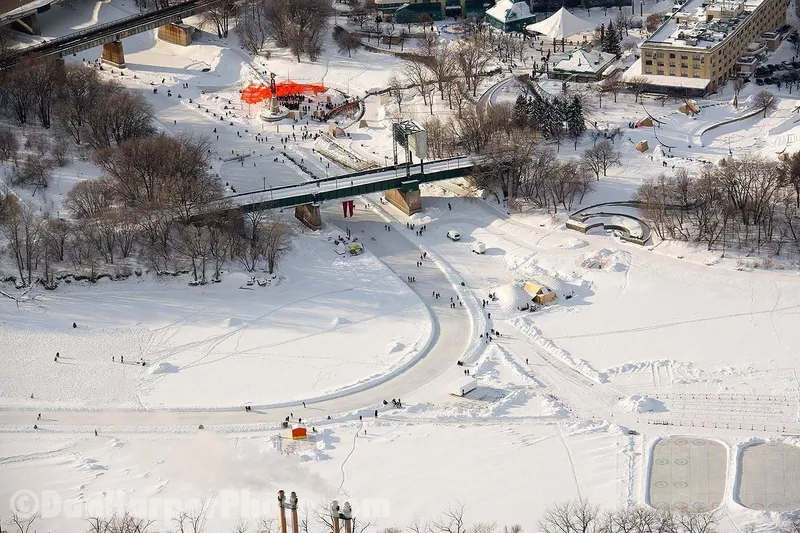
(449, 207)
(121, 358)
(304, 404)
(39, 416)
(95, 432)
(376, 413)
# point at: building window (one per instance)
(671, 72)
(696, 75)
(684, 58)
(660, 72)
(648, 53)
(672, 56)
(648, 62)
(672, 63)
(648, 71)
(684, 65)
(684, 74)
(660, 63)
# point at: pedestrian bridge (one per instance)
(110, 34)
(400, 182)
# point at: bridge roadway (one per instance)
(355, 184)
(109, 32)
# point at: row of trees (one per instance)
(577, 516)
(141, 209)
(41, 245)
(86, 108)
(748, 203)
(299, 25)
(555, 118)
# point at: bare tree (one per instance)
(298, 24)
(396, 91)
(251, 27)
(89, 198)
(653, 21)
(345, 41)
(452, 519)
(21, 229)
(219, 15)
(9, 145)
(765, 100)
(277, 241)
(23, 524)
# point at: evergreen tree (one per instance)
(611, 40)
(521, 111)
(576, 124)
(553, 121)
(536, 113)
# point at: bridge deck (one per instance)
(349, 185)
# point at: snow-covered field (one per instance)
(666, 340)
(327, 323)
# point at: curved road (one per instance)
(451, 331)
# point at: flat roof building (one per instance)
(697, 48)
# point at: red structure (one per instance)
(254, 93)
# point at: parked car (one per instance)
(453, 235)
(770, 81)
(478, 247)
(759, 81)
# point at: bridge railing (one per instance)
(400, 172)
(100, 28)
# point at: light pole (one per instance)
(265, 183)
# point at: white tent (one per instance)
(560, 25)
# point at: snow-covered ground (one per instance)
(666, 340)
(327, 323)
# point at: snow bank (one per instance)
(533, 333)
(570, 243)
(609, 260)
(339, 321)
(641, 404)
(162, 368)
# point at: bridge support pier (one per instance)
(176, 33)
(30, 24)
(409, 202)
(309, 215)
(113, 54)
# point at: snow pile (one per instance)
(658, 153)
(610, 260)
(641, 404)
(163, 368)
(339, 321)
(570, 243)
(395, 346)
(511, 297)
(233, 322)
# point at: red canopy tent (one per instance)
(255, 93)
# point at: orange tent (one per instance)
(255, 93)
(299, 433)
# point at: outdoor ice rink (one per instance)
(769, 479)
(688, 473)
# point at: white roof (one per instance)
(508, 10)
(665, 81)
(561, 24)
(581, 60)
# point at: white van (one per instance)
(478, 247)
